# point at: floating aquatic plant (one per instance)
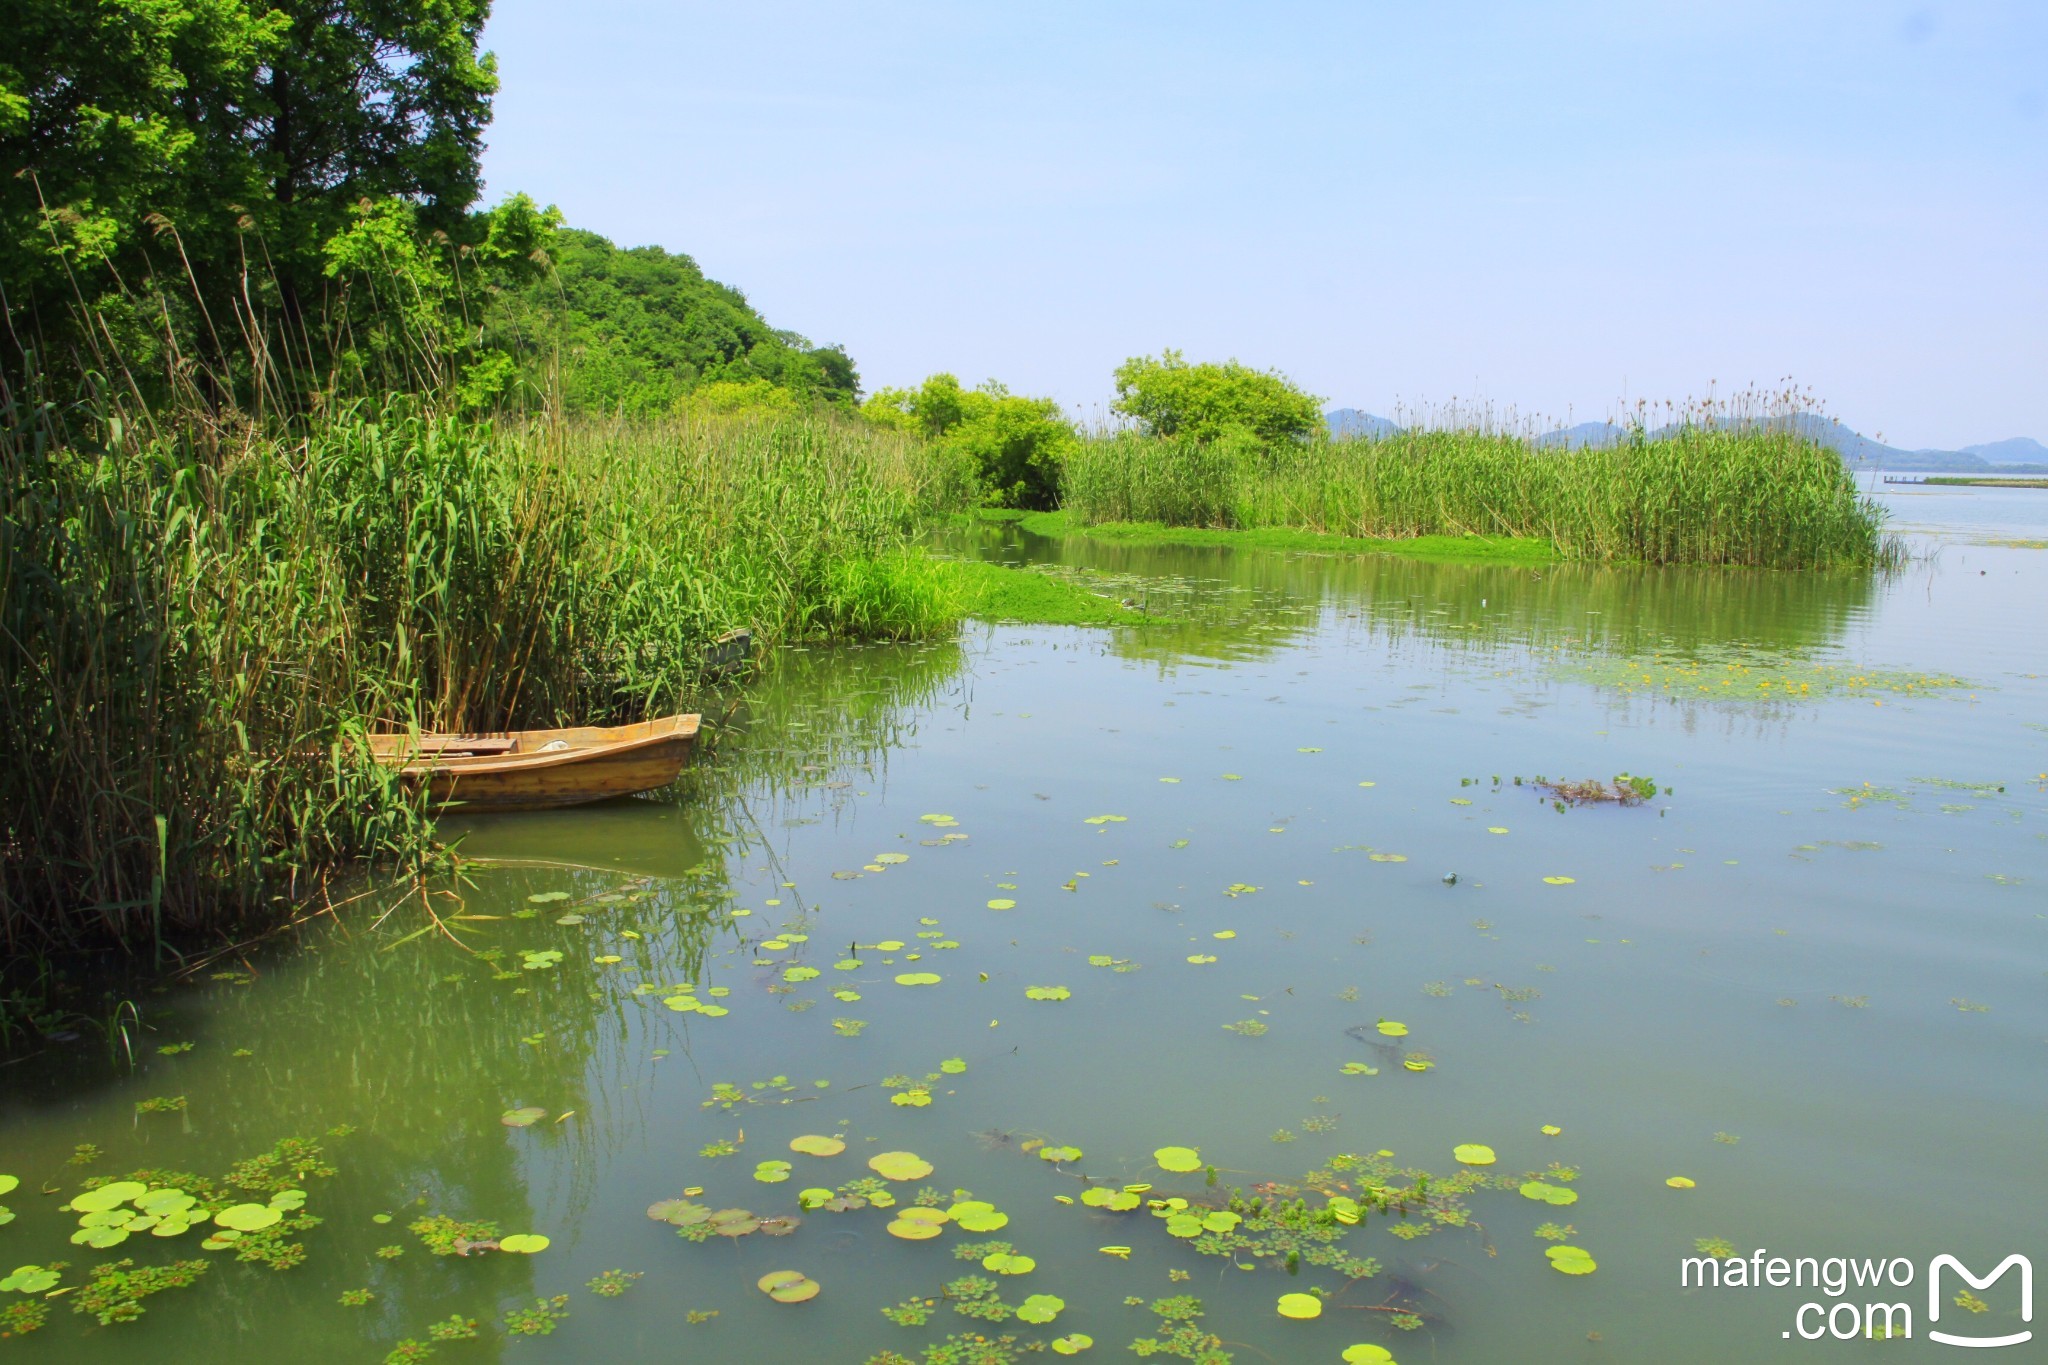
(1570, 1260)
(788, 1286)
(899, 1166)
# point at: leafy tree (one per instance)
(409, 304)
(638, 330)
(1202, 402)
(1016, 443)
(157, 151)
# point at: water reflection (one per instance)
(1248, 604)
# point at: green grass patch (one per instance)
(996, 592)
(1438, 548)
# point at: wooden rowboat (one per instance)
(540, 769)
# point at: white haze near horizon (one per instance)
(1555, 208)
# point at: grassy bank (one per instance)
(1766, 498)
(1436, 549)
(197, 626)
(995, 592)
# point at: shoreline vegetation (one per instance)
(1748, 496)
(298, 448)
(204, 616)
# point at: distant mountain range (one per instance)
(2020, 454)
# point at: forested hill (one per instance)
(639, 328)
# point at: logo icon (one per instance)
(2026, 1268)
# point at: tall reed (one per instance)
(198, 621)
(1693, 494)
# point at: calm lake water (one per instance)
(1810, 975)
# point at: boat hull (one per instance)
(541, 769)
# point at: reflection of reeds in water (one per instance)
(1237, 604)
(1739, 484)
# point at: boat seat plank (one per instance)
(452, 744)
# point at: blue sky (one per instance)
(1552, 207)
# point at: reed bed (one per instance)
(198, 625)
(1753, 495)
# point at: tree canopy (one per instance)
(1015, 443)
(638, 328)
(176, 144)
(1202, 402)
(282, 192)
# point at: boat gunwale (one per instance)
(681, 728)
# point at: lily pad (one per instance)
(1057, 1154)
(1549, 1194)
(918, 979)
(899, 1166)
(1047, 993)
(953, 1066)
(733, 1222)
(1392, 1028)
(787, 1286)
(1179, 1159)
(912, 1230)
(1550, 1130)
(30, 1279)
(1106, 819)
(1002, 903)
(1302, 1306)
(681, 1212)
(247, 1217)
(1570, 1260)
(548, 897)
(167, 1202)
(1561, 881)
(813, 1144)
(1388, 857)
(891, 859)
(1072, 1344)
(1358, 1069)
(1679, 1182)
(799, 974)
(1365, 1353)
(1008, 1263)
(973, 1215)
(523, 1243)
(1040, 1308)
(1103, 1197)
(107, 1196)
(8, 1184)
(1474, 1154)
(522, 1118)
(771, 1172)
